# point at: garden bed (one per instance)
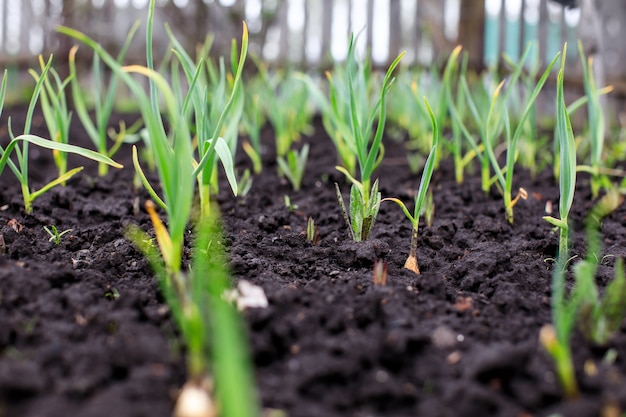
(84, 331)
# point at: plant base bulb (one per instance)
(411, 264)
(194, 401)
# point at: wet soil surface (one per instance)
(84, 330)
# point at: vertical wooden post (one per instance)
(327, 20)
(395, 29)
(417, 31)
(283, 55)
(471, 31)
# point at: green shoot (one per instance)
(491, 125)
(408, 111)
(428, 210)
(55, 110)
(408, 116)
(252, 120)
(216, 119)
(55, 235)
(351, 110)
(455, 145)
(596, 129)
(532, 141)
(103, 102)
(312, 232)
(288, 204)
(293, 165)
(411, 262)
(173, 155)
(567, 157)
(465, 100)
(561, 353)
(287, 107)
(244, 183)
(451, 69)
(173, 152)
(506, 180)
(600, 318)
(20, 167)
(368, 151)
(230, 358)
(211, 326)
(363, 210)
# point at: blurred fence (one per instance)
(310, 33)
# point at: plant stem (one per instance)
(204, 190)
(566, 372)
(508, 206)
(564, 240)
(485, 174)
(27, 199)
(366, 194)
(458, 167)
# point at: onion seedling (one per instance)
(55, 111)
(498, 119)
(312, 232)
(288, 110)
(286, 106)
(408, 110)
(174, 157)
(596, 128)
(556, 337)
(420, 198)
(408, 117)
(600, 318)
(442, 105)
(103, 102)
(217, 108)
(506, 180)
(532, 141)
(456, 144)
(252, 120)
(567, 157)
(485, 110)
(364, 197)
(466, 100)
(20, 167)
(352, 96)
(173, 153)
(597, 319)
(55, 235)
(288, 204)
(293, 165)
(210, 325)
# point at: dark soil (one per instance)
(84, 331)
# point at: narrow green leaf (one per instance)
(145, 182)
(429, 166)
(63, 147)
(60, 180)
(356, 212)
(344, 212)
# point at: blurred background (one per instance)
(312, 33)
